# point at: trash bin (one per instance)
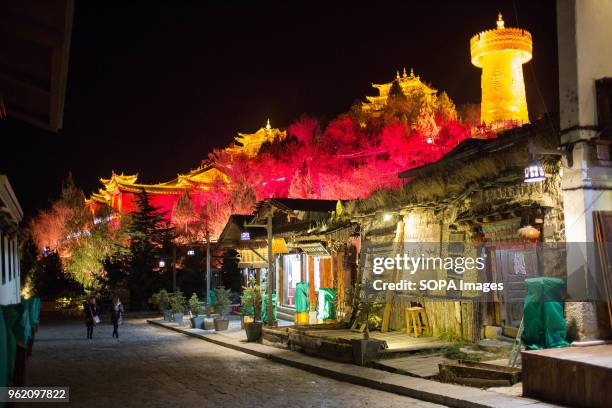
(213, 301)
(302, 303)
(326, 309)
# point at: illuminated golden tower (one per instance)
(501, 53)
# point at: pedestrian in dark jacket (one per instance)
(92, 315)
(116, 315)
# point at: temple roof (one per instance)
(250, 143)
(208, 175)
(204, 177)
(409, 84)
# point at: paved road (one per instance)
(152, 367)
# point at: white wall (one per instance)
(10, 288)
(584, 32)
(584, 29)
(11, 215)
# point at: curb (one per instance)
(425, 390)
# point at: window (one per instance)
(9, 253)
(292, 268)
(2, 256)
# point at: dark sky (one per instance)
(153, 88)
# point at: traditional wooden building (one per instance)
(11, 215)
(472, 202)
(310, 244)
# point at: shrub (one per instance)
(251, 300)
(177, 302)
(223, 300)
(196, 307)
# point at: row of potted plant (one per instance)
(173, 307)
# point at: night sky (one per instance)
(154, 88)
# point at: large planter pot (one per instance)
(197, 322)
(365, 351)
(178, 318)
(253, 330)
(168, 315)
(221, 324)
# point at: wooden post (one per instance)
(174, 268)
(269, 305)
(207, 271)
(399, 238)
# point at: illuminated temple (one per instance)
(410, 85)
(119, 191)
(250, 143)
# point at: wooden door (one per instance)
(513, 267)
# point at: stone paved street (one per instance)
(153, 367)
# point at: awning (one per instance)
(314, 249)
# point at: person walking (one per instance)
(92, 315)
(116, 315)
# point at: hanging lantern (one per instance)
(529, 233)
(279, 246)
(534, 172)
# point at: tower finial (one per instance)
(397, 74)
(404, 73)
(500, 21)
(268, 127)
(411, 72)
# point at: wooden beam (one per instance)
(399, 238)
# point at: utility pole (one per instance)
(271, 274)
(174, 268)
(208, 305)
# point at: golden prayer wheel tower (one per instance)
(501, 53)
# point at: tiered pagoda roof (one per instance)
(409, 83)
(250, 143)
(207, 176)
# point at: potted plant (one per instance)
(177, 303)
(223, 302)
(163, 303)
(196, 310)
(365, 350)
(251, 307)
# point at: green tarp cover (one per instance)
(544, 324)
(11, 316)
(23, 329)
(264, 308)
(326, 309)
(34, 311)
(302, 303)
(4, 352)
